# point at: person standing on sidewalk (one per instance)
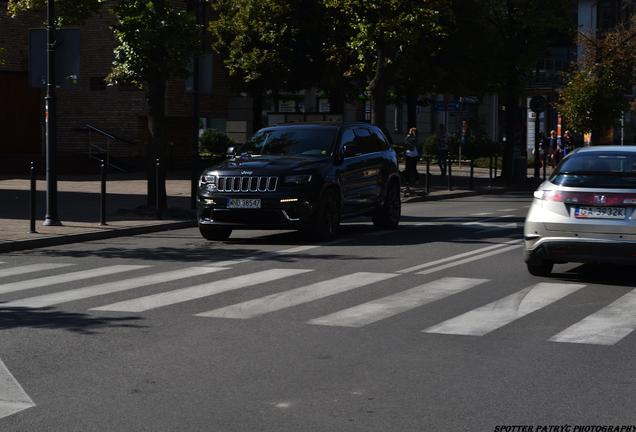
(442, 149)
(411, 156)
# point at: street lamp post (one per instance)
(51, 217)
(198, 12)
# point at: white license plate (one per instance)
(599, 212)
(244, 203)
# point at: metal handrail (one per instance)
(98, 148)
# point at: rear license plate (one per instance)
(243, 203)
(599, 212)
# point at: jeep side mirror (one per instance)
(350, 150)
(230, 152)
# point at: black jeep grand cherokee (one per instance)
(303, 176)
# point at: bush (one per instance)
(213, 142)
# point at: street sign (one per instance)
(451, 106)
(538, 104)
(67, 57)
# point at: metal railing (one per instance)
(99, 152)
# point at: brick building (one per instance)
(118, 110)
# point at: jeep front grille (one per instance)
(247, 184)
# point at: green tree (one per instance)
(269, 45)
(67, 11)
(154, 41)
(379, 34)
(519, 33)
(595, 94)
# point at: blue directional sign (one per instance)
(451, 106)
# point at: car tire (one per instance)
(540, 267)
(214, 233)
(387, 216)
(325, 222)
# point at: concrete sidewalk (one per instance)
(78, 206)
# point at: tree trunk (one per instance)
(377, 91)
(411, 108)
(156, 150)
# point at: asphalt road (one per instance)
(434, 327)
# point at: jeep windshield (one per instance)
(291, 141)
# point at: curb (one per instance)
(19, 245)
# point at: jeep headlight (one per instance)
(298, 179)
(207, 183)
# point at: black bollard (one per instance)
(450, 174)
(157, 192)
(490, 171)
(496, 163)
(428, 175)
(102, 196)
(472, 174)
(32, 198)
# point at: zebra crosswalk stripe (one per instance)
(30, 268)
(605, 327)
(199, 291)
(67, 277)
(110, 287)
(297, 296)
(395, 304)
(497, 314)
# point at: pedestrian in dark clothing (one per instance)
(567, 142)
(411, 156)
(442, 149)
(554, 149)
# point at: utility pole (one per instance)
(198, 12)
(51, 218)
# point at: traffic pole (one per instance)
(428, 175)
(450, 174)
(472, 174)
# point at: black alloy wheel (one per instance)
(214, 233)
(539, 266)
(387, 216)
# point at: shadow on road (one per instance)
(48, 318)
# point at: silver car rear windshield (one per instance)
(614, 170)
(312, 142)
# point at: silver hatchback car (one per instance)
(585, 212)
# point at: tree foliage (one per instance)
(380, 34)
(270, 43)
(67, 11)
(595, 94)
(154, 41)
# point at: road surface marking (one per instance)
(497, 314)
(484, 222)
(13, 398)
(395, 304)
(456, 257)
(507, 210)
(605, 327)
(294, 297)
(199, 291)
(265, 255)
(470, 259)
(31, 268)
(110, 287)
(67, 277)
(481, 214)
